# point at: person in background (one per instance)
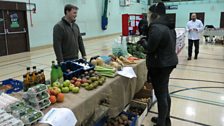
(194, 27)
(67, 40)
(143, 25)
(161, 59)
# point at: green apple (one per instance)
(66, 83)
(91, 86)
(71, 86)
(75, 90)
(56, 84)
(65, 90)
(85, 84)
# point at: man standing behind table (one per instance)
(67, 40)
(194, 27)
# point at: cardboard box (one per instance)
(141, 105)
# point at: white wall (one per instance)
(49, 12)
(212, 11)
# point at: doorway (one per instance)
(13, 28)
(172, 18)
(200, 16)
(222, 20)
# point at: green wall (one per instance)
(212, 9)
(49, 12)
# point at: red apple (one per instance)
(72, 81)
(74, 78)
(77, 84)
(83, 81)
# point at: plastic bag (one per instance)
(119, 47)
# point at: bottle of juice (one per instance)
(25, 82)
(30, 78)
(54, 72)
(42, 76)
(34, 75)
(27, 70)
(36, 78)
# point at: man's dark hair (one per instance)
(69, 7)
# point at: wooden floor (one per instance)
(196, 86)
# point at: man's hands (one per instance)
(84, 57)
(194, 29)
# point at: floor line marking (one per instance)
(184, 120)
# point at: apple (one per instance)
(66, 83)
(84, 80)
(65, 90)
(53, 99)
(56, 84)
(77, 84)
(79, 80)
(75, 90)
(74, 78)
(72, 81)
(60, 97)
(71, 87)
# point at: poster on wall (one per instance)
(125, 3)
(14, 20)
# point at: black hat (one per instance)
(158, 8)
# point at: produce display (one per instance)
(6, 100)
(124, 119)
(37, 97)
(136, 50)
(33, 78)
(7, 119)
(24, 112)
(89, 80)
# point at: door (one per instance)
(13, 28)
(3, 46)
(172, 18)
(16, 31)
(200, 16)
(222, 20)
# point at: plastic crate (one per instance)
(75, 70)
(15, 86)
(130, 116)
(102, 121)
(85, 62)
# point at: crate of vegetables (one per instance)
(140, 109)
(124, 119)
(70, 70)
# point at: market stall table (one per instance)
(119, 91)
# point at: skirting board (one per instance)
(85, 39)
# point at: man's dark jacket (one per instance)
(67, 41)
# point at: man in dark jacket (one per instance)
(67, 40)
(161, 59)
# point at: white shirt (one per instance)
(194, 34)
